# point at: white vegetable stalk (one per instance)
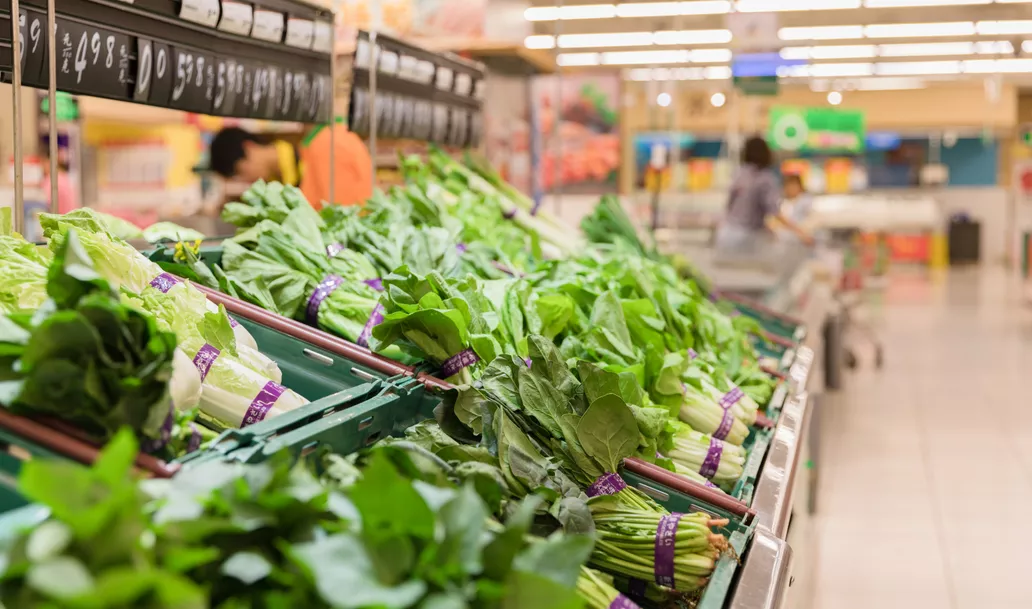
(726, 416)
(185, 385)
(699, 454)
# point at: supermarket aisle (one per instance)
(926, 486)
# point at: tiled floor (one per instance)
(925, 493)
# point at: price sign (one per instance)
(300, 33)
(458, 127)
(92, 60)
(204, 12)
(285, 95)
(33, 50)
(404, 108)
(153, 72)
(359, 110)
(193, 81)
(388, 62)
(321, 98)
(224, 101)
(272, 102)
(479, 88)
(302, 104)
(322, 38)
(237, 18)
(445, 78)
(268, 25)
(439, 127)
(384, 112)
(476, 129)
(422, 119)
(463, 84)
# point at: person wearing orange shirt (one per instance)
(241, 155)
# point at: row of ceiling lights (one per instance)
(830, 32)
(854, 70)
(720, 7)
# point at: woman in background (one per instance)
(755, 198)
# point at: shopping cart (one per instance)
(865, 257)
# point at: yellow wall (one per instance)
(182, 140)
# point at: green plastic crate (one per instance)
(15, 450)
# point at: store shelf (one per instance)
(511, 59)
(765, 574)
(187, 55)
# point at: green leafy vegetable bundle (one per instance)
(24, 278)
(86, 358)
(270, 536)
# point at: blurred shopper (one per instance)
(795, 206)
(755, 198)
(241, 155)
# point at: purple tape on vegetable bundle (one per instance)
(622, 602)
(509, 215)
(725, 425)
(731, 398)
(153, 445)
(164, 282)
(529, 362)
(462, 248)
(262, 403)
(711, 485)
(195, 439)
(455, 363)
(712, 462)
(232, 322)
(692, 354)
(666, 537)
(367, 331)
(376, 284)
(333, 249)
(606, 484)
(324, 289)
(205, 357)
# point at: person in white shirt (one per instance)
(796, 205)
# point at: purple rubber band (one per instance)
(731, 398)
(711, 485)
(324, 289)
(455, 363)
(152, 445)
(622, 602)
(462, 248)
(195, 439)
(529, 362)
(164, 282)
(712, 462)
(232, 322)
(666, 537)
(606, 484)
(376, 284)
(725, 425)
(262, 403)
(333, 249)
(367, 331)
(204, 359)
(692, 354)
(509, 215)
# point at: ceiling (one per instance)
(826, 39)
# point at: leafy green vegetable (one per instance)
(85, 357)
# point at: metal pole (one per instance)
(52, 96)
(557, 107)
(333, 109)
(374, 68)
(19, 179)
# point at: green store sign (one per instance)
(816, 130)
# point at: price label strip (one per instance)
(204, 12)
(300, 33)
(92, 60)
(268, 25)
(237, 18)
(33, 49)
(193, 82)
(153, 72)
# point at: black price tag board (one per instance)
(285, 106)
(193, 81)
(257, 82)
(439, 129)
(359, 110)
(33, 49)
(321, 98)
(270, 106)
(154, 72)
(93, 60)
(423, 119)
(301, 103)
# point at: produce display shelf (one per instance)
(774, 322)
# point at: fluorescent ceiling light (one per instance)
(577, 59)
(673, 37)
(711, 55)
(997, 66)
(717, 73)
(824, 32)
(539, 42)
(1027, 46)
(648, 9)
(706, 7)
(926, 49)
(829, 70)
(623, 58)
(918, 68)
(1000, 47)
(763, 6)
(896, 3)
(889, 84)
(911, 30)
(621, 39)
(843, 51)
(1004, 27)
(583, 11)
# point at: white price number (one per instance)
(300, 33)
(35, 29)
(184, 74)
(94, 54)
(204, 12)
(268, 25)
(237, 18)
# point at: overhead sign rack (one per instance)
(262, 59)
(417, 94)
